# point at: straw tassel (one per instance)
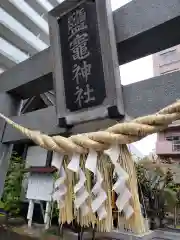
(124, 195)
(80, 192)
(98, 203)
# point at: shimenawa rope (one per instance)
(121, 133)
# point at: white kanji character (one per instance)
(84, 96)
(88, 94)
(76, 18)
(76, 21)
(81, 15)
(79, 96)
(82, 72)
(79, 47)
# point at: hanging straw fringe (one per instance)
(86, 165)
(121, 133)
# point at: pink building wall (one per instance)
(165, 147)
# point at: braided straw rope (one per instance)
(121, 133)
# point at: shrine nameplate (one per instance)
(85, 69)
(81, 57)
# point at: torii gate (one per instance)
(142, 27)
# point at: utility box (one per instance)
(85, 65)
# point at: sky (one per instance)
(135, 71)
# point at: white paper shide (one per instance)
(60, 188)
(101, 196)
(80, 192)
(124, 195)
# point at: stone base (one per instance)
(166, 234)
(115, 235)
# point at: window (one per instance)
(168, 51)
(169, 57)
(169, 71)
(170, 138)
(176, 146)
(175, 142)
(173, 138)
(168, 54)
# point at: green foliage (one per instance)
(170, 197)
(158, 188)
(169, 177)
(55, 213)
(1, 205)
(13, 185)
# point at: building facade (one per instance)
(168, 142)
(168, 149)
(167, 61)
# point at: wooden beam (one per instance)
(145, 27)
(31, 77)
(142, 98)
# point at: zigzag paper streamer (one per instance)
(101, 196)
(80, 192)
(124, 195)
(59, 186)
